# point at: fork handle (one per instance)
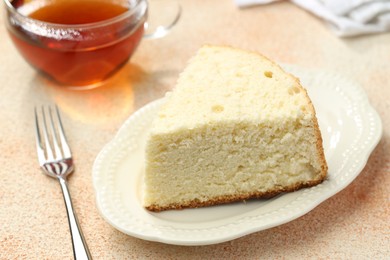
(80, 248)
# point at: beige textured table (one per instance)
(354, 224)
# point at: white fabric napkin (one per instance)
(345, 17)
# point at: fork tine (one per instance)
(49, 151)
(64, 144)
(40, 151)
(57, 148)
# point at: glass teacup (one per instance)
(74, 47)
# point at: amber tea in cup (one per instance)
(76, 42)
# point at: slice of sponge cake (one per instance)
(235, 127)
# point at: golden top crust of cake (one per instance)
(219, 78)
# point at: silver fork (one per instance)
(55, 159)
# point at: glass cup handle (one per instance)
(162, 16)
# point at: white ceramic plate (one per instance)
(350, 128)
